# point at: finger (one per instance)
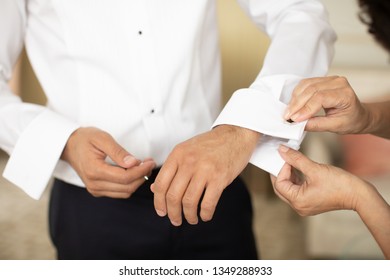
(161, 185)
(273, 178)
(118, 175)
(296, 159)
(191, 200)
(175, 195)
(284, 173)
(320, 124)
(146, 176)
(273, 182)
(143, 170)
(283, 183)
(324, 99)
(116, 195)
(148, 159)
(108, 189)
(299, 98)
(106, 143)
(305, 90)
(281, 197)
(210, 201)
(309, 109)
(287, 192)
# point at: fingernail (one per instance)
(175, 223)
(161, 213)
(195, 222)
(283, 148)
(129, 160)
(295, 117)
(150, 162)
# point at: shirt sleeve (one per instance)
(301, 46)
(32, 135)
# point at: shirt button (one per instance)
(140, 32)
(152, 111)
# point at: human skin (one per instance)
(326, 188)
(87, 150)
(206, 163)
(344, 113)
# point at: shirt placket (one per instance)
(149, 92)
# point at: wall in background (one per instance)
(354, 47)
(243, 47)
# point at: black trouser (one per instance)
(85, 227)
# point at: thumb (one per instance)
(116, 152)
(296, 159)
(284, 188)
(319, 124)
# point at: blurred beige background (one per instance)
(281, 233)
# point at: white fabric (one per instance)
(269, 120)
(147, 72)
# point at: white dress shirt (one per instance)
(147, 72)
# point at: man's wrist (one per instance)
(68, 146)
(242, 134)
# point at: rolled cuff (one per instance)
(37, 152)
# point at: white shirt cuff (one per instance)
(37, 151)
(263, 113)
(266, 155)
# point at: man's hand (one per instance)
(203, 165)
(344, 113)
(323, 188)
(86, 151)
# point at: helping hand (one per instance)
(344, 113)
(324, 188)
